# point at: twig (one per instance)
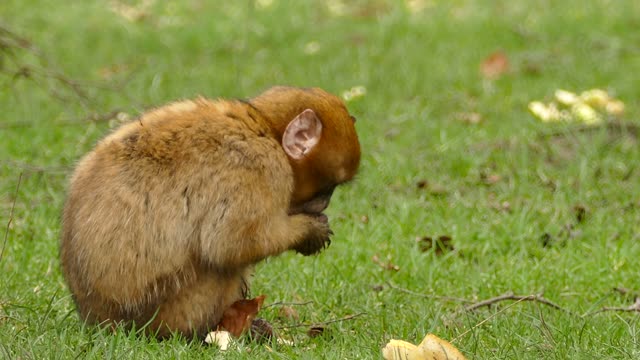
(510, 296)
(632, 308)
(446, 298)
(346, 318)
(91, 118)
(56, 82)
(13, 205)
(282, 303)
(485, 320)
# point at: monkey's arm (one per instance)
(246, 217)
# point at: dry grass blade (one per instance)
(13, 206)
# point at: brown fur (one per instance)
(166, 216)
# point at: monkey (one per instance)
(166, 217)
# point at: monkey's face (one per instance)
(319, 137)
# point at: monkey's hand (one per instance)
(317, 238)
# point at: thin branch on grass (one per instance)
(346, 318)
(505, 297)
(438, 297)
(91, 118)
(282, 303)
(486, 320)
(510, 296)
(13, 46)
(632, 308)
(13, 206)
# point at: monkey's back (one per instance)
(141, 204)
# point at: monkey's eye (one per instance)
(353, 118)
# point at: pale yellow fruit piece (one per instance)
(400, 350)
(434, 348)
(546, 113)
(586, 114)
(566, 97)
(615, 107)
(595, 97)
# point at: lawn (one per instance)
(452, 158)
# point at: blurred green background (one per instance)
(463, 194)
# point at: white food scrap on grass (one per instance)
(590, 107)
(221, 339)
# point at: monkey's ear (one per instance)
(302, 134)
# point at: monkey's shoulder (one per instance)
(193, 138)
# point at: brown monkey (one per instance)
(166, 216)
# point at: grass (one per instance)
(530, 207)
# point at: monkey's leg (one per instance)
(196, 308)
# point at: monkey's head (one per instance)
(318, 135)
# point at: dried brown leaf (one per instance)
(385, 265)
(316, 330)
(237, 319)
(261, 330)
(289, 313)
(494, 65)
(441, 244)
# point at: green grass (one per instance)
(420, 71)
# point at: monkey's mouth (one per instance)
(314, 207)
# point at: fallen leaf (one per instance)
(261, 330)
(108, 72)
(238, 318)
(495, 65)
(387, 266)
(289, 313)
(441, 245)
(490, 179)
(472, 118)
(546, 240)
(316, 330)
(433, 189)
(580, 212)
